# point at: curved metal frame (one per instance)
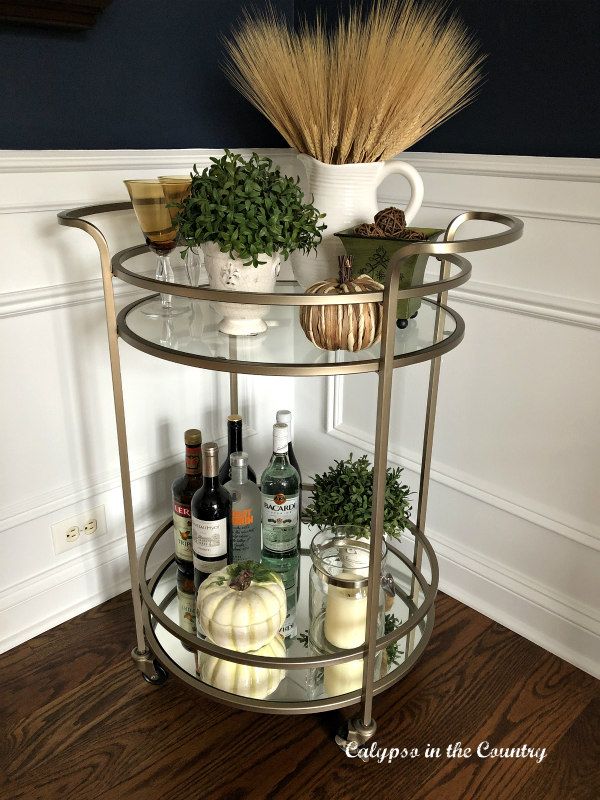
(281, 298)
(447, 252)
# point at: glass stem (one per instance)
(192, 266)
(164, 272)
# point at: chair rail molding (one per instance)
(539, 167)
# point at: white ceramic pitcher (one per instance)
(347, 194)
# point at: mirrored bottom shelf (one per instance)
(293, 686)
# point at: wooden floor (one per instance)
(79, 722)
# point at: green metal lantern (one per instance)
(371, 256)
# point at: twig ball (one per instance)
(391, 221)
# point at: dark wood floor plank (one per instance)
(531, 709)
(70, 654)
(572, 769)
(87, 726)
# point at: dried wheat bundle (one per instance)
(365, 91)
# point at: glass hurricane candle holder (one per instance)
(338, 587)
(155, 218)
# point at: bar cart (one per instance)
(411, 562)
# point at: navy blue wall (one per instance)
(541, 92)
(146, 76)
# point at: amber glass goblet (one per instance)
(155, 218)
(177, 188)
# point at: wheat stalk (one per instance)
(366, 91)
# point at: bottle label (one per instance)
(280, 522)
(246, 535)
(289, 629)
(187, 611)
(182, 531)
(210, 542)
(193, 460)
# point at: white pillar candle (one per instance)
(343, 678)
(346, 614)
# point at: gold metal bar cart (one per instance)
(160, 640)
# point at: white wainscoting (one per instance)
(56, 421)
(514, 506)
(514, 500)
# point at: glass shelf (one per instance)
(193, 338)
(298, 686)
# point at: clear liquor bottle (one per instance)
(245, 511)
(279, 497)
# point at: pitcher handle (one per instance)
(416, 185)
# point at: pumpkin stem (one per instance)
(345, 269)
(241, 581)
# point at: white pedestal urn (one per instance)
(230, 274)
(347, 195)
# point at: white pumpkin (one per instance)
(257, 682)
(242, 606)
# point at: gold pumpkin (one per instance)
(352, 327)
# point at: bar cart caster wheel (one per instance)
(354, 735)
(402, 323)
(413, 316)
(152, 671)
(158, 678)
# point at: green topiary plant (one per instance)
(248, 207)
(343, 496)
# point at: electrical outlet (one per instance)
(78, 530)
(90, 527)
(72, 534)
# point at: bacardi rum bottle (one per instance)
(279, 499)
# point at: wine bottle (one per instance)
(211, 519)
(279, 496)
(182, 491)
(185, 600)
(234, 441)
(245, 511)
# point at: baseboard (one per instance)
(48, 601)
(570, 631)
